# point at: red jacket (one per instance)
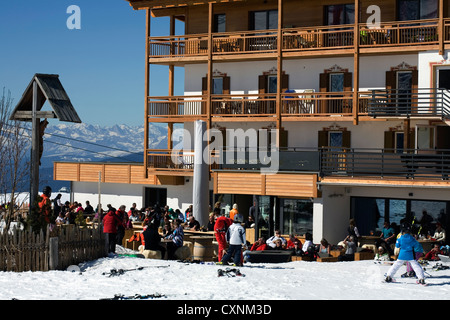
(257, 247)
(222, 224)
(110, 222)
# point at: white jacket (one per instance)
(236, 234)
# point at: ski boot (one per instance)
(220, 273)
(388, 279)
(421, 282)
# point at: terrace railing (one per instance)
(396, 34)
(176, 106)
(411, 163)
(410, 103)
(343, 162)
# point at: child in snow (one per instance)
(408, 246)
(236, 238)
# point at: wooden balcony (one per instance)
(398, 36)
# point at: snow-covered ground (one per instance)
(298, 280)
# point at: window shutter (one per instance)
(204, 85)
(389, 138)
(284, 82)
(226, 85)
(324, 84)
(348, 86)
(346, 142)
(262, 84)
(391, 80)
(323, 139)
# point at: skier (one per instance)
(236, 238)
(408, 245)
(220, 228)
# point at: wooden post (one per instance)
(53, 253)
(441, 28)
(99, 206)
(147, 89)
(279, 70)
(356, 36)
(34, 175)
(210, 65)
(171, 87)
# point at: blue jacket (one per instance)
(407, 244)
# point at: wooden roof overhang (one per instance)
(167, 4)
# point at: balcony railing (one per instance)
(307, 103)
(398, 34)
(345, 162)
(413, 163)
(176, 106)
(410, 103)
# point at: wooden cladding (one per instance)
(111, 173)
(280, 184)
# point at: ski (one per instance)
(229, 273)
(135, 297)
(118, 272)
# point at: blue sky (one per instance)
(101, 65)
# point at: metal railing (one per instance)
(411, 163)
(420, 102)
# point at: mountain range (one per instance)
(95, 143)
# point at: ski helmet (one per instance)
(406, 227)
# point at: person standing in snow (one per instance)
(236, 238)
(220, 229)
(110, 223)
(408, 246)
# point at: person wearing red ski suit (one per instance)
(220, 230)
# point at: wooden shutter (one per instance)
(283, 138)
(348, 86)
(391, 80)
(324, 85)
(389, 140)
(414, 90)
(204, 85)
(226, 85)
(262, 84)
(284, 82)
(322, 139)
(346, 141)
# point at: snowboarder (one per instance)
(408, 246)
(236, 238)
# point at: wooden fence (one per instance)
(23, 250)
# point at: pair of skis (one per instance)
(119, 272)
(229, 272)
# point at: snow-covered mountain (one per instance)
(94, 143)
(86, 142)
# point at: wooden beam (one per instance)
(356, 65)
(279, 69)
(441, 28)
(147, 88)
(39, 114)
(210, 65)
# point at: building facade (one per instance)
(351, 97)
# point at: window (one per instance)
(336, 82)
(220, 22)
(272, 84)
(417, 9)
(370, 213)
(264, 20)
(297, 216)
(339, 14)
(217, 85)
(425, 137)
